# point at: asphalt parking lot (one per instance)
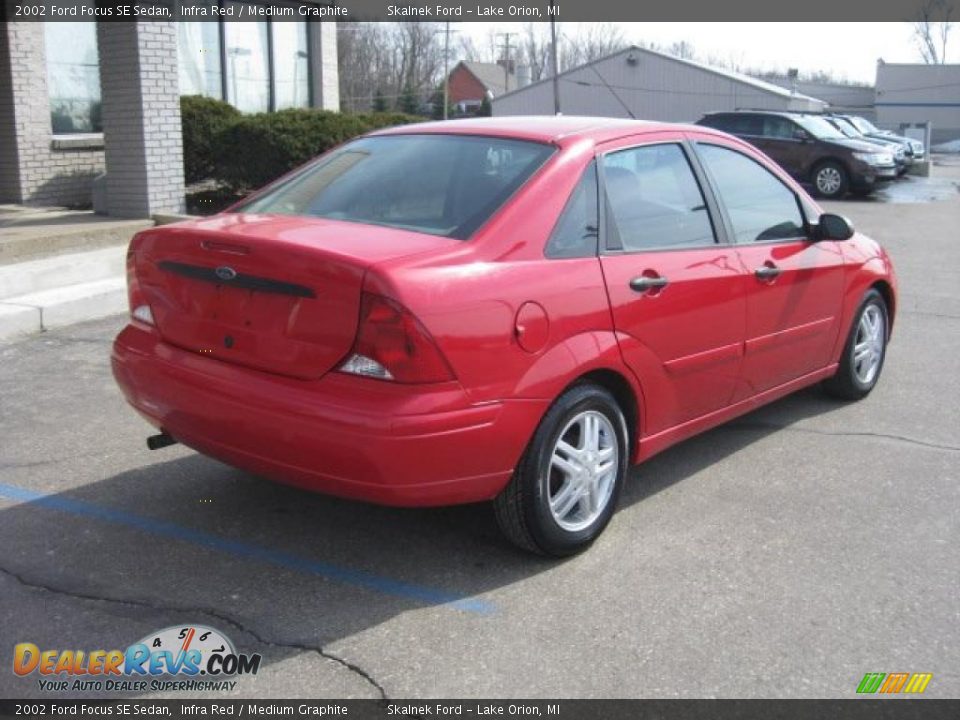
(783, 555)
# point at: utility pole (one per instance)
(446, 70)
(506, 59)
(556, 65)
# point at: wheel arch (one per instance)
(623, 392)
(886, 291)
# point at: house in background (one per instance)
(471, 81)
(651, 86)
(912, 94)
(81, 98)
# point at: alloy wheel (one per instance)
(829, 180)
(583, 470)
(869, 344)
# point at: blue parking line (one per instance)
(349, 576)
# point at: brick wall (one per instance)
(47, 172)
(141, 117)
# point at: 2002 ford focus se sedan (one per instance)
(511, 309)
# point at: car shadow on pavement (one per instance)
(193, 540)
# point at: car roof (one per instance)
(558, 129)
(746, 111)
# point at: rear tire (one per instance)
(864, 351)
(565, 488)
(830, 180)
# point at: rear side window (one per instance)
(576, 233)
(759, 205)
(737, 124)
(654, 200)
(439, 184)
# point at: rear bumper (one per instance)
(340, 435)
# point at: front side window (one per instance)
(73, 77)
(445, 185)
(778, 128)
(578, 228)
(759, 205)
(654, 200)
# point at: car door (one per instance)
(793, 286)
(782, 142)
(675, 285)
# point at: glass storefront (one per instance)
(256, 66)
(73, 77)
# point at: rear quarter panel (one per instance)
(469, 299)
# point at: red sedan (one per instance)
(509, 309)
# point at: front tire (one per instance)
(864, 352)
(565, 488)
(831, 180)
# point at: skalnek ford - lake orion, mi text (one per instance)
(441, 11)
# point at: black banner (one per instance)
(465, 11)
(857, 709)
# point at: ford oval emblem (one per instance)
(225, 273)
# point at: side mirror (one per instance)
(834, 227)
(801, 135)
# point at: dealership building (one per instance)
(80, 99)
(642, 83)
(912, 94)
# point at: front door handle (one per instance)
(767, 271)
(645, 283)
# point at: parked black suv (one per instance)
(811, 149)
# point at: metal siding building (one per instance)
(654, 86)
(909, 94)
(842, 97)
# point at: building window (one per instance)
(248, 64)
(73, 77)
(198, 52)
(255, 66)
(291, 81)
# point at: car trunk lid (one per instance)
(276, 293)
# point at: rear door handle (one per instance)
(767, 272)
(645, 283)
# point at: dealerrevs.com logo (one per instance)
(187, 658)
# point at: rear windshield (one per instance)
(445, 185)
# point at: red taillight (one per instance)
(391, 344)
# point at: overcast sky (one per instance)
(847, 50)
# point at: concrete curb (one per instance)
(40, 294)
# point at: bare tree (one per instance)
(932, 30)
(600, 40)
(392, 61)
(683, 49)
(534, 50)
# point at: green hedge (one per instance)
(203, 119)
(257, 149)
